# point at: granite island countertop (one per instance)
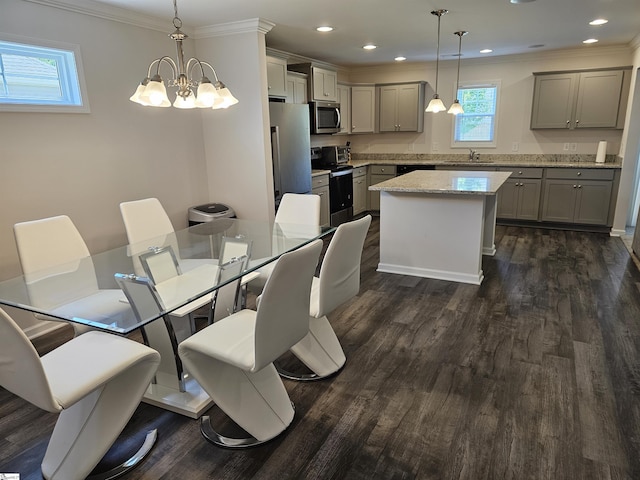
(445, 181)
(487, 160)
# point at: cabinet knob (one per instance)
(579, 186)
(575, 186)
(519, 173)
(577, 123)
(579, 173)
(568, 123)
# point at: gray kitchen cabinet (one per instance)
(344, 99)
(569, 100)
(519, 196)
(277, 77)
(296, 87)
(320, 186)
(363, 109)
(378, 174)
(573, 195)
(401, 107)
(360, 189)
(322, 83)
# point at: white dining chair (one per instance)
(94, 381)
(232, 359)
(338, 282)
(52, 249)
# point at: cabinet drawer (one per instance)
(319, 181)
(519, 172)
(359, 171)
(580, 173)
(383, 170)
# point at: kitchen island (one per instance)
(438, 224)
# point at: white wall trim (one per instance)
(243, 26)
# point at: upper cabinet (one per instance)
(323, 85)
(277, 77)
(344, 99)
(401, 107)
(296, 87)
(363, 109)
(589, 99)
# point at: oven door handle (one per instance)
(340, 173)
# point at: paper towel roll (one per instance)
(602, 152)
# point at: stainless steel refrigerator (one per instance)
(290, 148)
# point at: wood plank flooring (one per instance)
(535, 374)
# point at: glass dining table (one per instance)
(87, 292)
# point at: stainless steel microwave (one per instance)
(325, 117)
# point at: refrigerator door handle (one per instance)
(275, 154)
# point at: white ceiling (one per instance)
(406, 27)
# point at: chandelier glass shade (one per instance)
(194, 89)
(456, 107)
(436, 105)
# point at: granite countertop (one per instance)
(315, 173)
(487, 160)
(445, 181)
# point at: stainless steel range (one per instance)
(336, 160)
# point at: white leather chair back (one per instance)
(49, 248)
(282, 318)
(21, 371)
(340, 270)
(301, 209)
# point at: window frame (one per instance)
(65, 77)
(477, 144)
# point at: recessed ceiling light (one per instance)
(598, 21)
(400, 59)
(324, 29)
(590, 40)
(486, 50)
(537, 45)
(370, 47)
(522, 1)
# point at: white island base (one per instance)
(436, 233)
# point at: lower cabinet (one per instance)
(577, 196)
(320, 186)
(359, 190)
(519, 196)
(378, 174)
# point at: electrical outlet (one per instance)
(435, 146)
(566, 147)
(574, 147)
(514, 147)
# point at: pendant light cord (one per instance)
(438, 51)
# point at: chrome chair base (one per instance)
(127, 465)
(304, 377)
(229, 442)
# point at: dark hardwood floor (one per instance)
(535, 374)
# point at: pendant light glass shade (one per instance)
(456, 108)
(436, 105)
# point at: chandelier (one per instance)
(153, 93)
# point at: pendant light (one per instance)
(436, 105)
(456, 108)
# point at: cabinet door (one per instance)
(344, 99)
(592, 202)
(325, 85)
(508, 199)
(559, 200)
(553, 101)
(388, 108)
(323, 192)
(374, 197)
(277, 77)
(409, 108)
(598, 99)
(359, 194)
(528, 199)
(363, 107)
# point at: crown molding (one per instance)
(252, 25)
(108, 12)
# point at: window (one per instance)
(476, 127)
(40, 78)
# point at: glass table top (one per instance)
(86, 291)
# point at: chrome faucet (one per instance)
(473, 155)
